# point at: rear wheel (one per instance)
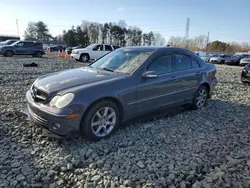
(84, 58)
(8, 53)
(101, 120)
(38, 54)
(200, 98)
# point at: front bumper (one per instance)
(75, 56)
(56, 123)
(231, 62)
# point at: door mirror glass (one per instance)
(149, 75)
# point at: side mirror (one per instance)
(149, 75)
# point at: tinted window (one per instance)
(98, 48)
(108, 48)
(28, 44)
(182, 62)
(116, 47)
(195, 63)
(161, 65)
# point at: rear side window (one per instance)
(182, 62)
(161, 65)
(195, 63)
(28, 44)
(108, 48)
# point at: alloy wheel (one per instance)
(201, 97)
(103, 121)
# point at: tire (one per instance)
(9, 53)
(38, 54)
(84, 58)
(93, 121)
(203, 100)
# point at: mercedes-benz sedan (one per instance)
(122, 85)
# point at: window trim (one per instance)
(190, 57)
(103, 47)
(109, 46)
(160, 55)
(196, 61)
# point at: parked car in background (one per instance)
(93, 51)
(55, 48)
(23, 48)
(245, 74)
(233, 60)
(121, 85)
(115, 47)
(69, 49)
(220, 59)
(8, 42)
(244, 61)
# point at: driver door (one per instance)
(97, 52)
(154, 93)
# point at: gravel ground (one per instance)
(193, 149)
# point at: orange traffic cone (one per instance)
(62, 54)
(66, 56)
(58, 53)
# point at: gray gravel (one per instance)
(193, 149)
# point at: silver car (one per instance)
(122, 85)
(245, 61)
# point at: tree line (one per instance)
(200, 43)
(123, 35)
(110, 33)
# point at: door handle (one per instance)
(197, 73)
(173, 78)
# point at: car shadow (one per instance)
(153, 149)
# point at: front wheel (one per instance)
(8, 53)
(200, 98)
(84, 58)
(101, 120)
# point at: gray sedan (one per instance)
(122, 85)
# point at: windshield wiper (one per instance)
(108, 69)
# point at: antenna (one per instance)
(17, 28)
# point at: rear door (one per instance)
(189, 74)
(29, 48)
(157, 92)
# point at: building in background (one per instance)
(8, 37)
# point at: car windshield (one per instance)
(124, 61)
(13, 44)
(90, 46)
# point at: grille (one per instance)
(38, 95)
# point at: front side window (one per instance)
(162, 65)
(98, 48)
(123, 60)
(182, 62)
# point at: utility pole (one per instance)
(207, 41)
(187, 31)
(17, 28)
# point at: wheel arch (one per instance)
(207, 86)
(108, 98)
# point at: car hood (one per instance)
(58, 81)
(246, 59)
(4, 46)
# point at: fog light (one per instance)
(56, 126)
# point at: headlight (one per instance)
(75, 52)
(61, 101)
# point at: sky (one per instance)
(225, 20)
